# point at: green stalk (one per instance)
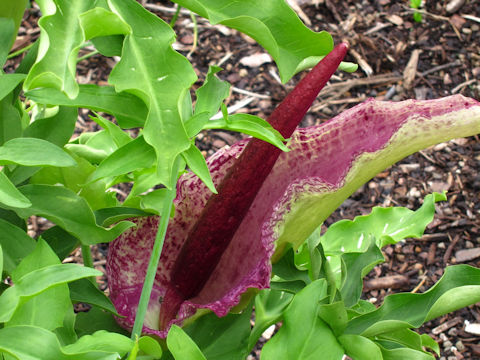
(88, 260)
(175, 16)
(195, 34)
(155, 256)
(20, 51)
(86, 56)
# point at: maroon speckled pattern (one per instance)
(319, 159)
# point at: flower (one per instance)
(326, 164)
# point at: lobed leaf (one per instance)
(272, 23)
(61, 37)
(458, 287)
(386, 225)
(150, 69)
(128, 109)
(250, 125)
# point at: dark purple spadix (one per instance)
(225, 211)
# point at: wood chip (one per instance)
(395, 19)
(255, 60)
(446, 325)
(472, 328)
(467, 254)
(386, 282)
(454, 6)
(411, 69)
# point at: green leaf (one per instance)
(38, 281)
(56, 299)
(61, 38)
(209, 98)
(33, 343)
(7, 34)
(403, 337)
(404, 353)
(11, 217)
(458, 287)
(269, 307)
(288, 277)
(154, 200)
(103, 341)
(428, 342)
(118, 135)
(182, 346)
(387, 225)
(101, 22)
(137, 154)
(10, 119)
(196, 162)
(311, 61)
(69, 211)
(272, 23)
(161, 77)
(303, 334)
(13, 10)
(250, 125)
(66, 333)
(335, 315)
(9, 194)
(1, 260)
(76, 178)
(149, 346)
(8, 82)
(143, 180)
(222, 338)
(96, 319)
(109, 216)
(128, 109)
(34, 152)
(60, 241)
(85, 291)
(57, 129)
(357, 265)
(360, 348)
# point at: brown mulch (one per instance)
(385, 41)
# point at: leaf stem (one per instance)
(88, 261)
(155, 256)
(86, 56)
(175, 16)
(20, 51)
(195, 35)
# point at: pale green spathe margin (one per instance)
(416, 134)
